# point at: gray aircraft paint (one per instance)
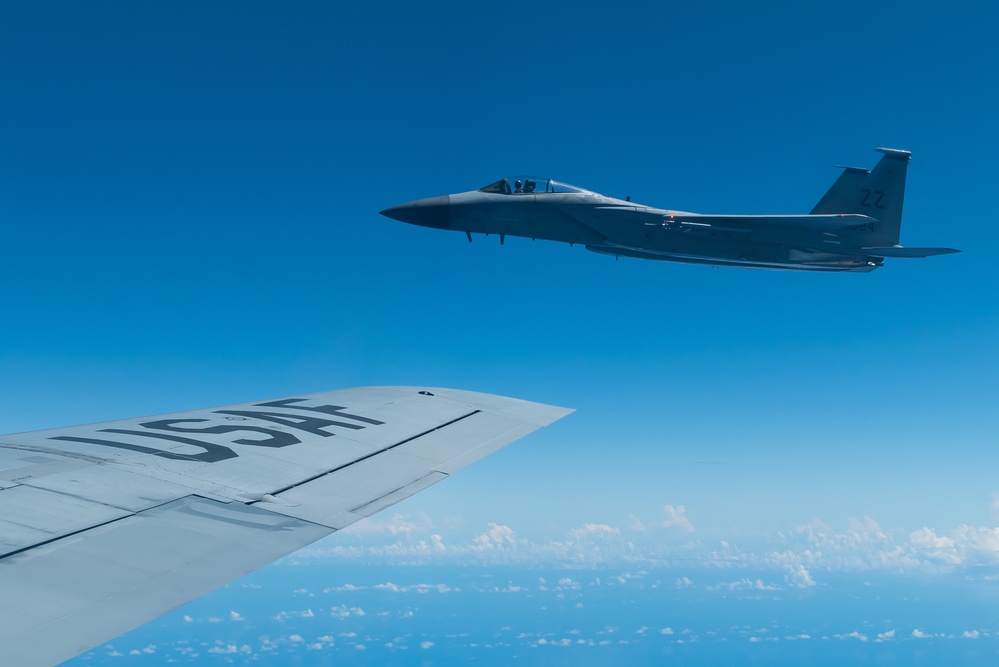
(853, 227)
(106, 526)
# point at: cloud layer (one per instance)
(800, 554)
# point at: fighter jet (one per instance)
(852, 228)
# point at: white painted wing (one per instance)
(107, 526)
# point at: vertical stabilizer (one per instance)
(876, 194)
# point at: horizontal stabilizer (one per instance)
(899, 251)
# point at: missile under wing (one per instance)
(107, 526)
(853, 227)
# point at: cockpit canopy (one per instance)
(522, 185)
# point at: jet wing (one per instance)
(749, 222)
(107, 526)
(729, 223)
(899, 251)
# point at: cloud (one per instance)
(497, 544)
(864, 545)
(792, 563)
(566, 583)
(426, 645)
(963, 546)
(885, 636)
(343, 611)
(235, 616)
(389, 586)
(744, 585)
(798, 553)
(148, 650)
(593, 531)
(564, 641)
(415, 588)
(919, 634)
(497, 537)
(935, 547)
(799, 577)
(308, 613)
(676, 517)
(971, 634)
(345, 587)
(230, 649)
(978, 546)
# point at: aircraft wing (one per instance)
(729, 223)
(750, 222)
(899, 251)
(107, 526)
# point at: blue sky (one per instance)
(190, 198)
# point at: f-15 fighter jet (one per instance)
(852, 228)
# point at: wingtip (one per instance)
(540, 414)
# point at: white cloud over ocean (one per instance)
(799, 556)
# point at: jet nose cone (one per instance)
(434, 212)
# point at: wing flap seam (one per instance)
(372, 454)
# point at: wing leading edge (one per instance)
(107, 526)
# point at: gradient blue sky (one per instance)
(190, 193)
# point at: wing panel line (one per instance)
(35, 545)
(374, 453)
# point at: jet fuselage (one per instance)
(853, 228)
